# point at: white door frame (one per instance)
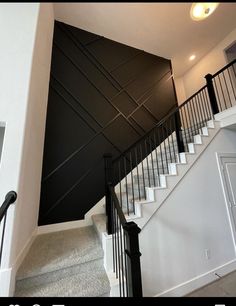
(219, 157)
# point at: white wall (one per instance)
(194, 218)
(180, 90)
(2, 132)
(211, 63)
(26, 31)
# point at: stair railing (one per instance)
(222, 87)
(145, 162)
(125, 241)
(9, 199)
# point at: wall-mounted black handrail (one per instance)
(9, 199)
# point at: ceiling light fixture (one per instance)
(200, 11)
(192, 57)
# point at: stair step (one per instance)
(85, 280)
(54, 251)
(65, 263)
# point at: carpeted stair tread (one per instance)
(89, 283)
(55, 251)
(42, 279)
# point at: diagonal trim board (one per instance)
(156, 196)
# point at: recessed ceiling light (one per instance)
(192, 57)
(200, 11)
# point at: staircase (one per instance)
(159, 177)
(148, 171)
(70, 263)
(64, 264)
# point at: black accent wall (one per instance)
(103, 97)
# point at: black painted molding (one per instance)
(103, 96)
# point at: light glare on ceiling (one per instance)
(200, 11)
(192, 57)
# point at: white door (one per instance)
(228, 172)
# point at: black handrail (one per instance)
(224, 68)
(9, 199)
(117, 205)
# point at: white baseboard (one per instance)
(8, 276)
(199, 281)
(5, 281)
(87, 221)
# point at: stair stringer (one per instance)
(156, 196)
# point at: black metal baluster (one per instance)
(122, 263)
(144, 185)
(172, 128)
(145, 145)
(200, 111)
(168, 140)
(163, 134)
(119, 174)
(189, 128)
(157, 162)
(208, 104)
(132, 181)
(126, 185)
(204, 110)
(118, 250)
(153, 171)
(194, 116)
(126, 267)
(231, 84)
(137, 165)
(115, 238)
(184, 130)
(160, 146)
(222, 90)
(191, 134)
(227, 88)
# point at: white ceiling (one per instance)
(164, 29)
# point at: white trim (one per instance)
(226, 49)
(6, 282)
(45, 229)
(199, 281)
(8, 276)
(219, 157)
